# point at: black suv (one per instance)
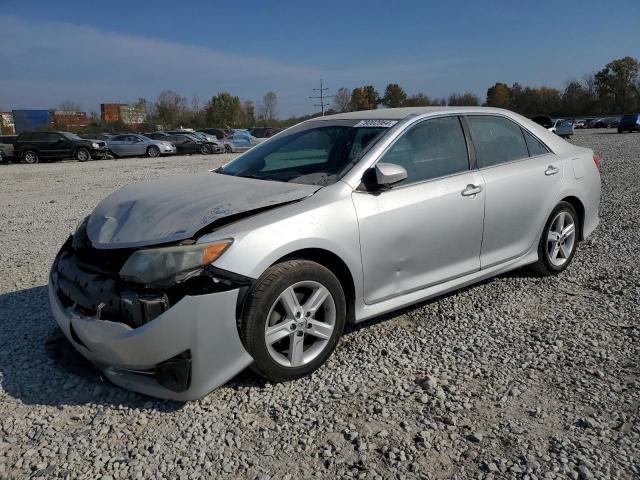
(31, 147)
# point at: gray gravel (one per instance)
(517, 377)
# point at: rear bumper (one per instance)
(203, 325)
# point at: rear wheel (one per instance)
(559, 240)
(30, 157)
(82, 155)
(294, 318)
(153, 151)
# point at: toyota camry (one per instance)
(173, 286)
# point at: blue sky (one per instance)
(117, 51)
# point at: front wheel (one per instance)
(294, 318)
(153, 151)
(559, 240)
(82, 155)
(205, 150)
(228, 149)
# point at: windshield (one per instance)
(71, 136)
(316, 153)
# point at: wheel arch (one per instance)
(336, 265)
(577, 204)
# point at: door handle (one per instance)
(551, 170)
(471, 190)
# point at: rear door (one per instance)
(427, 229)
(522, 179)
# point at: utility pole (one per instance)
(321, 96)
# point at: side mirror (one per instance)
(388, 174)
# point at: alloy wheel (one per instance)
(30, 158)
(561, 238)
(300, 323)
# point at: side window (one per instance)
(433, 148)
(535, 146)
(53, 137)
(497, 140)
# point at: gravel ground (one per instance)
(516, 377)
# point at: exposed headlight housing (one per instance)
(171, 264)
(94, 145)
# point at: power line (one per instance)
(321, 96)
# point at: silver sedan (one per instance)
(173, 286)
(138, 146)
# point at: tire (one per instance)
(153, 151)
(554, 256)
(295, 349)
(30, 157)
(82, 155)
(620, 130)
(227, 148)
(205, 150)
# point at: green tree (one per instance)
(394, 96)
(616, 83)
(417, 100)
(224, 110)
(576, 100)
(498, 96)
(463, 100)
(364, 98)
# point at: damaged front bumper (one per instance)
(181, 354)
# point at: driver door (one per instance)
(428, 228)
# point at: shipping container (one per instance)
(29, 120)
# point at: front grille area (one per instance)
(86, 280)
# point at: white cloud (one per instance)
(45, 63)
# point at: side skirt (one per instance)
(365, 312)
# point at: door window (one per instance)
(496, 139)
(433, 148)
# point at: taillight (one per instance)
(597, 160)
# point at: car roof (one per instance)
(400, 113)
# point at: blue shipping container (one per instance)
(29, 120)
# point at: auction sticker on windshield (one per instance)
(376, 123)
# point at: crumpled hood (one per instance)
(175, 208)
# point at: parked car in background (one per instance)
(240, 141)
(31, 147)
(543, 121)
(139, 145)
(187, 144)
(216, 145)
(3, 157)
(6, 145)
(629, 123)
(219, 133)
(562, 127)
(264, 132)
(173, 286)
(579, 124)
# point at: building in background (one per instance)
(7, 127)
(66, 119)
(29, 120)
(110, 112)
(133, 114)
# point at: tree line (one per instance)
(614, 89)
